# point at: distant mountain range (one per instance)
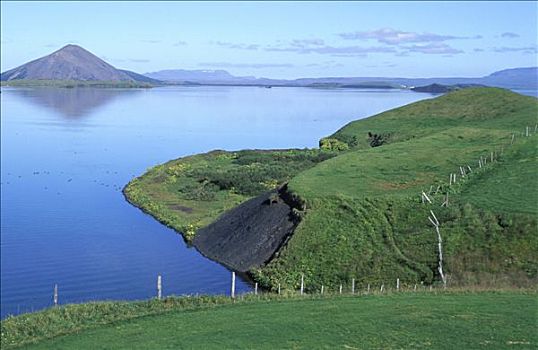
(517, 78)
(199, 75)
(73, 63)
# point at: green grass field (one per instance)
(491, 320)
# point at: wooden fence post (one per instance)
(425, 196)
(445, 203)
(398, 284)
(56, 295)
(279, 289)
(353, 286)
(256, 288)
(436, 224)
(232, 292)
(322, 289)
(368, 290)
(302, 284)
(159, 287)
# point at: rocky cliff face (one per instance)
(250, 234)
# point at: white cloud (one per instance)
(391, 36)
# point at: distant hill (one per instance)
(516, 78)
(199, 75)
(72, 63)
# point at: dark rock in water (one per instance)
(250, 234)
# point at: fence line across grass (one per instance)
(351, 289)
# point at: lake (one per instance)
(67, 153)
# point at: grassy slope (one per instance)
(486, 108)
(365, 219)
(405, 320)
(511, 185)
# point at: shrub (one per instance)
(351, 140)
(332, 144)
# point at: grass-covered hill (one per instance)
(364, 217)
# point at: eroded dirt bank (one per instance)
(250, 234)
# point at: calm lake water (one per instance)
(66, 154)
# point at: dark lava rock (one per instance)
(250, 234)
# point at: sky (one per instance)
(281, 39)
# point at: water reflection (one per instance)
(74, 103)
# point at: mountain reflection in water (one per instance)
(73, 103)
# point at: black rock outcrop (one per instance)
(250, 234)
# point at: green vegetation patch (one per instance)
(496, 320)
(191, 192)
(510, 185)
(376, 241)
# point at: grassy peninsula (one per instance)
(364, 217)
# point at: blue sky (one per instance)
(281, 39)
